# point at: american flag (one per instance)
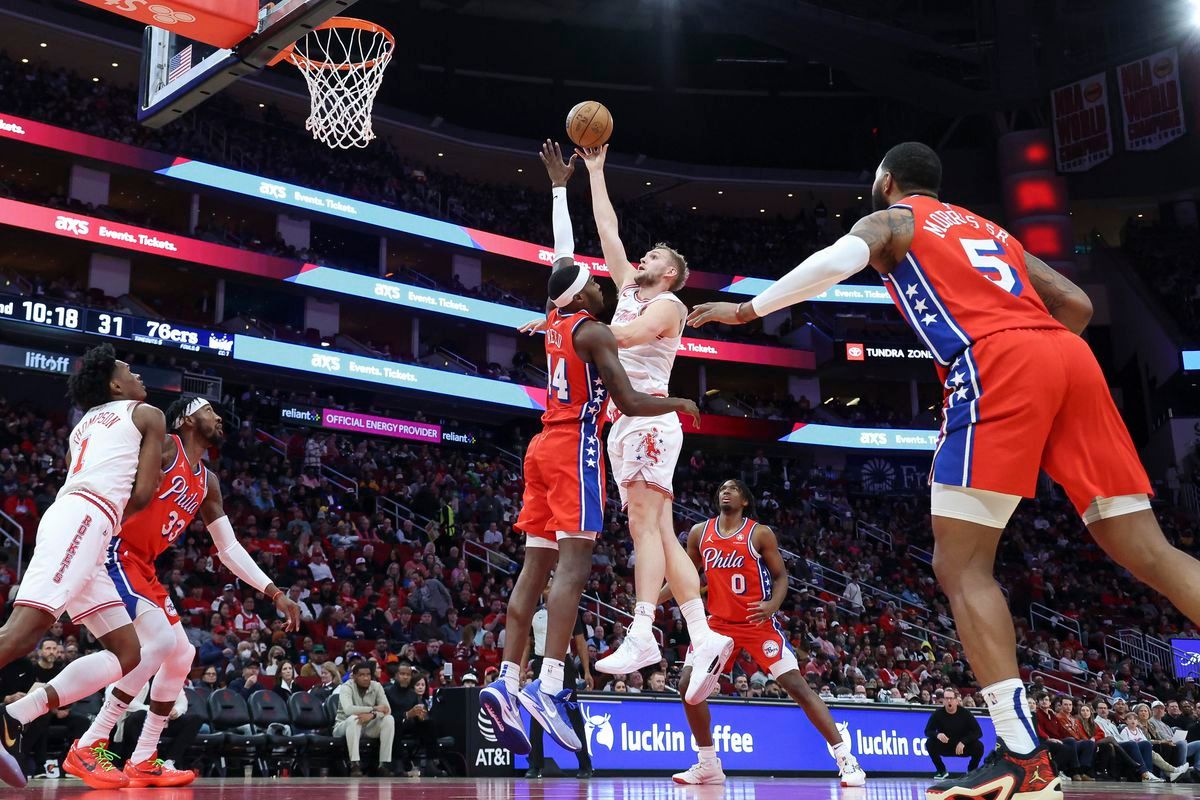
(180, 63)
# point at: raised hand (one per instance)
(727, 313)
(593, 157)
(560, 171)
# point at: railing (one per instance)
(921, 554)
(1056, 682)
(1046, 614)
(869, 531)
(13, 535)
(690, 514)
(450, 360)
(412, 276)
(840, 580)
(492, 559)
(338, 479)
(207, 386)
(608, 613)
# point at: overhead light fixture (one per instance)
(115, 64)
(720, 191)
(791, 194)
(762, 211)
(520, 170)
(43, 44)
(262, 105)
(860, 197)
(24, 60)
(647, 183)
(441, 155)
(95, 80)
(693, 208)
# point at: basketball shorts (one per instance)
(764, 641)
(137, 584)
(67, 570)
(645, 449)
(564, 483)
(1021, 401)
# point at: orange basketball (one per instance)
(589, 124)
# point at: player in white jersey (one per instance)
(643, 451)
(116, 450)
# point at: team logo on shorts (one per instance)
(650, 447)
(770, 648)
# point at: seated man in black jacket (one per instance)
(953, 731)
(412, 717)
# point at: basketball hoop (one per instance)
(343, 61)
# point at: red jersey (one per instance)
(737, 578)
(574, 392)
(152, 530)
(964, 278)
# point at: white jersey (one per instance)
(105, 446)
(648, 365)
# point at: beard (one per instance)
(644, 279)
(878, 201)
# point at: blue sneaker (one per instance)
(550, 711)
(500, 709)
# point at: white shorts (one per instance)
(647, 449)
(67, 571)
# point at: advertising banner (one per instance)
(1082, 130)
(862, 438)
(1151, 101)
(879, 474)
(1186, 654)
(637, 734)
(36, 359)
(381, 426)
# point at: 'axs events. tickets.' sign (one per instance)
(635, 733)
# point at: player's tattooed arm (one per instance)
(152, 424)
(693, 551)
(764, 541)
(1065, 301)
(888, 233)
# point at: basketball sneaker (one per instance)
(636, 652)
(1004, 776)
(702, 773)
(550, 711)
(94, 766)
(707, 659)
(155, 772)
(10, 752)
(850, 772)
(502, 709)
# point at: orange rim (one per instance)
(289, 53)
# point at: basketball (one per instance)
(589, 124)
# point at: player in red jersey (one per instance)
(563, 503)
(1023, 392)
(747, 584)
(187, 488)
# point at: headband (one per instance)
(195, 405)
(575, 288)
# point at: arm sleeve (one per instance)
(818, 272)
(235, 557)
(564, 238)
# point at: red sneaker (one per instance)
(153, 772)
(93, 765)
(1004, 776)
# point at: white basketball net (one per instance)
(344, 68)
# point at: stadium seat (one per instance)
(310, 721)
(231, 716)
(268, 709)
(206, 748)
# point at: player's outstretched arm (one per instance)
(606, 218)
(873, 240)
(693, 551)
(1065, 301)
(596, 344)
(764, 541)
(234, 556)
(152, 424)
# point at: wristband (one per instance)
(275, 596)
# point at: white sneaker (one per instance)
(702, 773)
(636, 652)
(707, 659)
(852, 774)
(1178, 772)
(1065, 778)
(1150, 777)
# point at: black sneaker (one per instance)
(10, 751)
(1004, 776)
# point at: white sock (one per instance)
(643, 620)
(552, 675)
(151, 733)
(86, 676)
(708, 753)
(104, 722)
(510, 673)
(841, 750)
(697, 621)
(1010, 715)
(29, 707)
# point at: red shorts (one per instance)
(1025, 400)
(564, 482)
(135, 580)
(764, 641)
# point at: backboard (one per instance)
(178, 74)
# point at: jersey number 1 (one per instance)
(985, 256)
(79, 458)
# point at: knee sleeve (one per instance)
(169, 680)
(156, 641)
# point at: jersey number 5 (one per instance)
(985, 256)
(558, 379)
